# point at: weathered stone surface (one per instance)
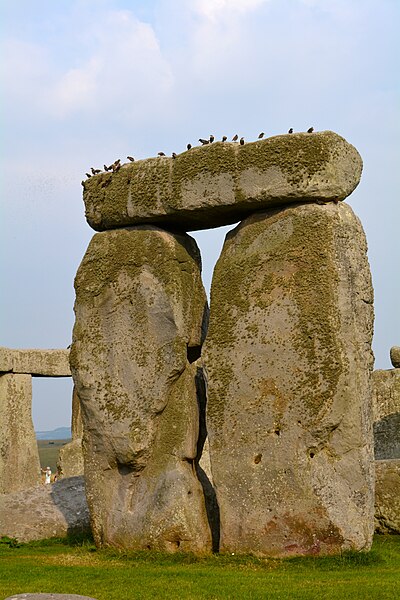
(19, 457)
(70, 456)
(45, 511)
(45, 363)
(395, 356)
(70, 459)
(387, 496)
(288, 360)
(222, 183)
(386, 403)
(140, 317)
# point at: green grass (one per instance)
(48, 452)
(78, 568)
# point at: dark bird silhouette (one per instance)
(290, 130)
(174, 155)
(224, 138)
(235, 138)
(95, 171)
(116, 162)
(212, 138)
(107, 168)
(310, 130)
(204, 142)
(130, 158)
(241, 141)
(83, 183)
(161, 154)
(260, 137)
(88, 175)
(189, 146)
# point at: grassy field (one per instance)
(61, 567)
(48, 452)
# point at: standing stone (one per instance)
(70, 456)
(387, 496)
(386, 404)
(140, 317)
(19, 456)
(288, 360)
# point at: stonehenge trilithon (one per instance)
(141, 312)
(288, 361)
(288, 352)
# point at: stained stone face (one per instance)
(387, 496)
(43, 363)
(386, 403)
(140, 316)
(19, 457)
(288, 361)
(222, 183)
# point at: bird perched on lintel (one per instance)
(310, 130)
(290, 130)
(241, 141)
(204, 142)
(130, 158)
(161, 153)
(235, 138)
(260, 137)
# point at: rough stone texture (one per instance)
(140, 318)
(19, 457)
(395, 356)
(386, 403)
(45, 511)
(70, 459)
(222, 183)
(42, 363)
(288, 360)
(387, 496)
(70, 456)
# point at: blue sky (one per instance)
(85, 82)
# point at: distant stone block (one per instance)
(36, 362)
(395, 356)
(222, 183)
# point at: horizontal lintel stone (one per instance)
(222, 183)
(36, 362)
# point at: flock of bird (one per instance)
(116, 165)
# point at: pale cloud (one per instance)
(124, 71)
(215, 9)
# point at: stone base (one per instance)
(387, 496)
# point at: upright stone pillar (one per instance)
(19, 456)
(140, 316)
(70, 456)
(288, 360)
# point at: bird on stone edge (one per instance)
(212, 138)
(260, 137)
(83, 183)
(290, 130)
(95, 171)
(130, 158)
(204, 142)
(241, 141)
(224, 138)
(235, 138)
(173, 155)
(88, 175)
(107, 168)
(189, 146)
(310, 130)
(161, 154)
